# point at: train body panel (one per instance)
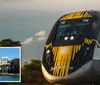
(87, 73)
(72, 51)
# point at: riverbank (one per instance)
(9, 74)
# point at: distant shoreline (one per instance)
(9, 74)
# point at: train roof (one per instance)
(80, 14)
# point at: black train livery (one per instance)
(72, 50)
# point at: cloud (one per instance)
(41, 38)
(59, 5)
(27, 41)
(40, 34)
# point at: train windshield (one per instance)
(73, 27)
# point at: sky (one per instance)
(30, 21)
(11, 53)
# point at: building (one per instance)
(4, 60)
(4, 63)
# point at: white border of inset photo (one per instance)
(19, 65)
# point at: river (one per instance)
(9, 78)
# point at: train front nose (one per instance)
(67, 62)
(59, 65)
(57, 68)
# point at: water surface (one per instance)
(9, 78)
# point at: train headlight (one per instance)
(87, 48)
(72, 38)
(66, 38)
(48, 51)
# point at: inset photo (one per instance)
(10, 64)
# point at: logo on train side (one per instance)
(61, 67)
(76, 15)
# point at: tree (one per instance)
(14, 66)
(31, 72)
(9, 43)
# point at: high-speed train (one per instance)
(72, 50)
